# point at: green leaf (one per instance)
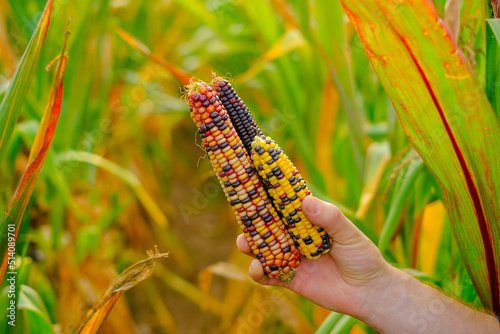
(398, 201)
(448, 119)
(10, 109)
(11, 221)
(30, 300)
(492, 83)
(329, 323)
(344, 325)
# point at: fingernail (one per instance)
(312, 206)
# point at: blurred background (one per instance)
(124, 172)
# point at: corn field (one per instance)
(113, 217)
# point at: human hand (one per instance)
(343, 279)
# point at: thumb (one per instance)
(332, 220)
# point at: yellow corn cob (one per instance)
(288, 189)
(262, 227)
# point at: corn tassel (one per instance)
(288, 189)
(262, 227)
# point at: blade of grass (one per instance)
(132, 276)
(399, 200)
(11, 221)
(329, 323)
(130, 178)
(178, 73)
(492, 86)
(10, 109)
(344, 325)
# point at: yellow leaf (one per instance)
(289, 41)
(126, 280)
(430, 237)
(326, 126)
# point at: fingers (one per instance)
(255, 271)
(329, 217)
(242, 244)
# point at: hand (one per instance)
(353, 278)
(341, 280)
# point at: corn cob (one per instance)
(241, 117)
(288, 189)
(262, 227)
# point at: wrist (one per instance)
(383, 297)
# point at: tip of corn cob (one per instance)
(288, 277)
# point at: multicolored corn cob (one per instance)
(240, 116)
(287, 187)
(262, 227)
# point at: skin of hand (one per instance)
(341, 280)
